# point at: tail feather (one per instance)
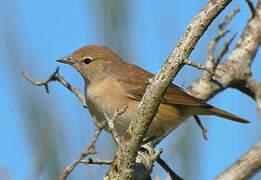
(224, 114)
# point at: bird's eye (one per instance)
(87, 60)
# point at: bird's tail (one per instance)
(224, 114)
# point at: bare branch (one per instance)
(211, 63)
(97, 161)
(212, 46)
(236, 68)
(89, 149)
(223, 52)
(252, 88)
(44, 82)
(199, 66)
(245, 167)
(235, 72)
(111, 121)
(223, 78)
(57, 77)
(228, 18)
(252, 9)
(166, 167)
(204, 130)
(156, 155)
(126, 155)
(74, 90)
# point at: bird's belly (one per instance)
(103, 103)
(101, 112)
(104, 100)
(167, 119)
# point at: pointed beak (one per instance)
(65, 60)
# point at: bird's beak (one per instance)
(65, 60)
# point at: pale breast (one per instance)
(104, 99)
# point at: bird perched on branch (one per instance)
(111, 83)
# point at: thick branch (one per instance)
(235, 72)
(236, 68)
(245, 167)
(252, 88)
(226, 76)
(150, 101)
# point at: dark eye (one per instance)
(87, 60)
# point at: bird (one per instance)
(111, 83)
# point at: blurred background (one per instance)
(42, 133)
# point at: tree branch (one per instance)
(236, 68)
(199, 66)
(97, 161)
(111, 121)
(165, 166)
(245, 167)
(235, 72)
(89, 149)
(211, 62)
(204, 130)
(57, 77)
(252, 88)
(147, 109)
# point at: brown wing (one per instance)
(135, 80)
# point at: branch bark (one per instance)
(245, 167)
(89, 149)
(234, 72)
(57, 77)
(127, 153)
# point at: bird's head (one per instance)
(93, 62)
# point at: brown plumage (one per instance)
(110, 83)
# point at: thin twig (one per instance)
(97, 161)
(44, 82)
(223, 52)
(57, 77)
(212, 45)
(232, 73)
(204, 130)
(156, 155)
(89, 149)
(151, 99)
(199, 66)
(166, 167)
(252, 9)
(111, 121)
(210, 62)
(228, 18)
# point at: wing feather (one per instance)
(135, 81)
